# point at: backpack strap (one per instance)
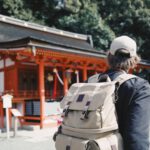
(123, 77)
(93, 79)
(120, 80)
(99, 78)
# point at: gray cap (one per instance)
(123, 43)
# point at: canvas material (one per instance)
(101, 111)
(101, 121)
(111, 142)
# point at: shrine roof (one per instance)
(46, 45)
(17, 33)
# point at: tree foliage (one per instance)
(103, 19)
(15, 8)
(130, 18)
(88, 21)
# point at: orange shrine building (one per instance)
(38, 64)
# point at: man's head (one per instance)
(122, 53)
(124, 44)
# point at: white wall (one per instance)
(1, 64)
(9, 62)
(1, 82)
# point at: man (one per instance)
(133, 104)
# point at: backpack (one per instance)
(89, 115)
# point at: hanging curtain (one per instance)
(68, 75)
(58, 76)
(77, 76)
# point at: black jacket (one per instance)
(133, 110)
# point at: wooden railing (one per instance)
(26, 94)
(35, 94)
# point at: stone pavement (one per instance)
(29, 140)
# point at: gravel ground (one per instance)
(28, 140)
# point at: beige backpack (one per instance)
(89, 116)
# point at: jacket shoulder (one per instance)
(135, 88)
(137, 82)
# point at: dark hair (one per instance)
(122, 61)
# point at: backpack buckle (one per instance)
(84, 115)
(66, 110)
(85, 111)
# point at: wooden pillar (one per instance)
(41, 92)
(23, 112)
(84, 73)
(65, 82)
(10, 118)
(55, 87)
(4, 74)
(2, 112)
(1, 115)
(16, 80)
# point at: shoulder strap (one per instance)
(93, 79)
(120, 80)
(124, 77)
(99, 78)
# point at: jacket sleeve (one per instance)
(138, 119)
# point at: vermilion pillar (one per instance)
(1, 115)
(55, 87)
(84, 73)
(65, 82)
(15, 78)
(41, 92)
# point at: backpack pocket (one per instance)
(110, 142)
(64, 142)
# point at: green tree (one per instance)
(103, 19)
(15, 8)
(46, 11)
(88, 21)
(130, 18)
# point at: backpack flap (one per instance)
(89, 106)
(89, 101)
(74, 90)
(92, 95)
